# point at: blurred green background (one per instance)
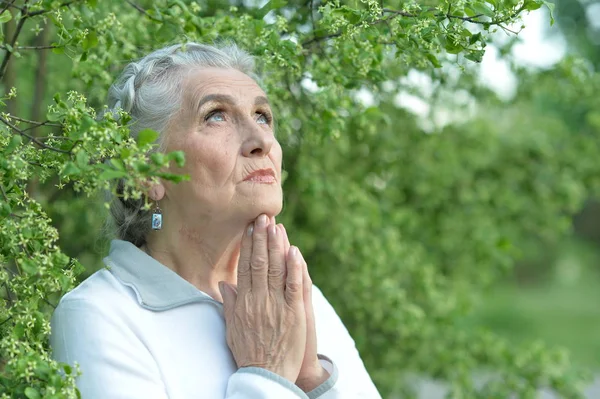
(553, 293)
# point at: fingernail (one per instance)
(250, 229)
(273, 230)
(293, 252)
(262, 221)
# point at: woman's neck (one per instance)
(203, 258)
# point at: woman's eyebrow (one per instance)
(260, 100)
(221, 98)
(227, 99)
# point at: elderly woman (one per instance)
(204, 297)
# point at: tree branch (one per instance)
(397, 13)
(141, 10)
(33, 139)
(8, 4)
(3, 46)
(14, 39)
(45, 123)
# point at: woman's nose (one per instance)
(258, 141)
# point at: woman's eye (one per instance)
(216, 117)
(263, 119)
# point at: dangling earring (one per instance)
(157, 217)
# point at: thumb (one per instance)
(229, 296)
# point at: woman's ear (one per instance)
(156, 192)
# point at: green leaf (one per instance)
(141, 167)
(32, 393)
(532, 5)
(70, 169)
(53, 116)
(90, 41)
(173, 177)
(470, 12)
(82, 159)
(28, 266)
(68, 369)
(453, 48)
(5, 16)
(118, 164)
(86, 123)
(551, 9)
(434, 61)
(57, 49)
(92, 3)
(482, 8)
(146, 136)
(475, 55)
(111, 174)
(157, 158)
(5, 210)
(271, 5)
(14, 142)
(178, 157)
(125, 153)
(475, 38)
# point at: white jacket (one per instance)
(140, 331)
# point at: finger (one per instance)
(311, 328)
(293, 283)
(276, 259)
(306, 283)
(259, 261)
(244, 280)
(286, 240)
(285, 245)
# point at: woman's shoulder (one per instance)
(99, 289)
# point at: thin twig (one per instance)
(321, 38)
(45, 123)
(140, 9)
(14, 40)
(402, 13)
(49, 303)
(31, 138)
(509, 30)
(6, 321)
(55, 138)
(2, 46)
(8, 4)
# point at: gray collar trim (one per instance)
(156, 286)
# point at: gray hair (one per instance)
(150, 90)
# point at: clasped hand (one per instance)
(269, 317)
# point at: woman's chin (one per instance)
(270, 207)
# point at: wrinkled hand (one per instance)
(312, 374)
(265, 318)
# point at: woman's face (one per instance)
(225, 128)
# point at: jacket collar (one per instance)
(156, 286)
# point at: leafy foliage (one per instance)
(402, 228)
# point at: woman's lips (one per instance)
(265, 176)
